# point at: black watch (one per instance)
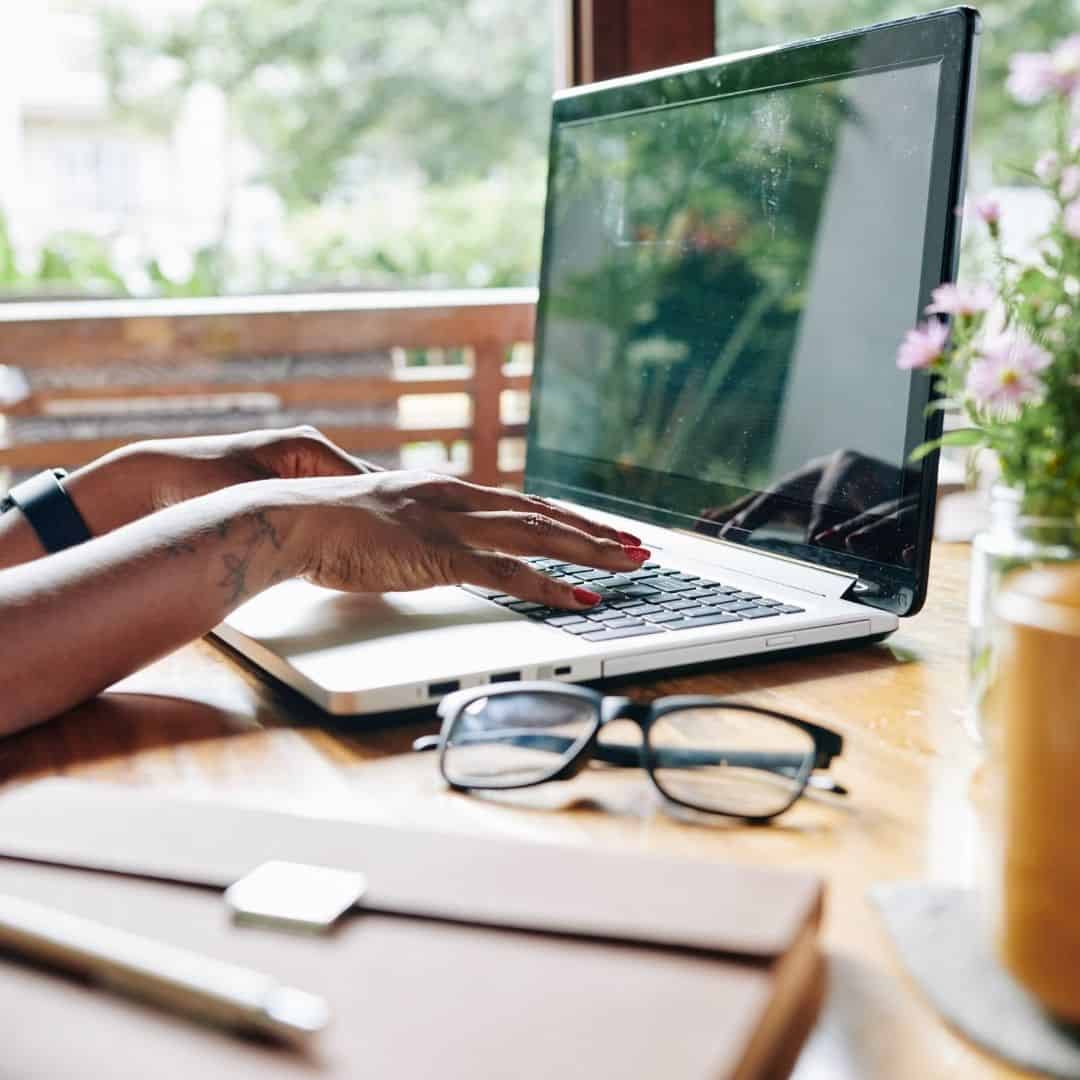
(49, 509)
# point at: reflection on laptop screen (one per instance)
(725, 284)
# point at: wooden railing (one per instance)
(90, 376)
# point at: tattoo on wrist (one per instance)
(236, 564)
(235, 579)
(180, 547)
(264, 529)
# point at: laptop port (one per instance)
(506, 676)
(564, 670)
(441, 689)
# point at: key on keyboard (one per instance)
(653, 599)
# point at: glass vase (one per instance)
(1011, 541)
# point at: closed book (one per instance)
(465, 957)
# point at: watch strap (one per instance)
(50, 510)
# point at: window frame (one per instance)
(611, 38)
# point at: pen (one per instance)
(173, 978)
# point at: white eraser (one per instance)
(295, 895)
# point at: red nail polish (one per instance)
(638, 554)
(586, 596)
(629, 540)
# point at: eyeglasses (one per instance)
(705, 753)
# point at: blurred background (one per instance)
(209, 147)
(224, 148)
(202, 147)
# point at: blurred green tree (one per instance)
(449, 94)
(329, 92)
(453, 88)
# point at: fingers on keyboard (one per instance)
(650, 600)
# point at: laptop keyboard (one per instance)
(651, 600)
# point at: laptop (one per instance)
(733, 250)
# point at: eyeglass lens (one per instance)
(730, 760)
(509, 740)
(719, 758)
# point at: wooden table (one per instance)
(198, 723)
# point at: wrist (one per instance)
(276, 507)
(242, 540)
(109, 492)
(112, 490)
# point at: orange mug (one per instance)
(1036, 710)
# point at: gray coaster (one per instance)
(940, 938)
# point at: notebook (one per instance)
(469, 957)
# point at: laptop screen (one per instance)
(726, 279)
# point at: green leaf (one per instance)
(963, 437)
(959, 437)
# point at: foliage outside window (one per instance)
(352, 143)
(341, 143)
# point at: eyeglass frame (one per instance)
(608, 708)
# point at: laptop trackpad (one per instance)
(348, 642)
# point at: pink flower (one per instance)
(1006, 373)
(1016, 347)
(1046, 168)
(1034, 75)
(998, 385)
(922, 346)
(1071, 219)
(987, 209)
(1065, 61)
(954, 299)
(1069, 185)
(1031, 77)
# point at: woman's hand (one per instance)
(394, 531)
(147, 476)
(121, 600)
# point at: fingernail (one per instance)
(638, 554)
(586, 596)
(629, 540)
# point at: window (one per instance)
(253, 145)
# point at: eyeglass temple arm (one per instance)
(629, 757)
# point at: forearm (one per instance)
(74, 623)
(145, 476)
